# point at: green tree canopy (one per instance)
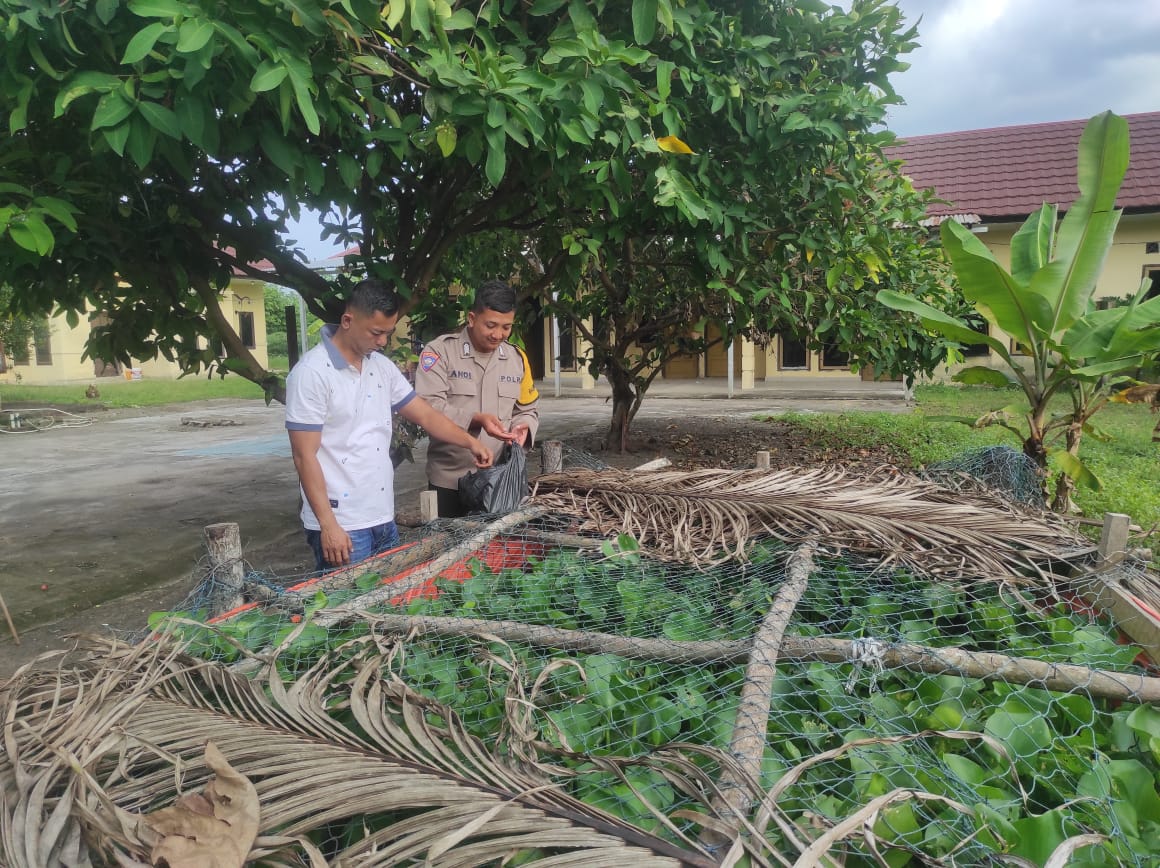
(155, 147)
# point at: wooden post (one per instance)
(1114, 537)
(224, 542)
(292, 334)
(8, 618)
(551, 456)
(763, 460)
(428, 506)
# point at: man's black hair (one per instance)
(494, 295)
(373, 296)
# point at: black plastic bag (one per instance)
(497, 489)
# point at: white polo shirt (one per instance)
(352, 409)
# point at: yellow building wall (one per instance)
(67, 346)
(1126, 265)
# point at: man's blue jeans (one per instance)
(368, 541)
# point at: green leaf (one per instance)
(374, 63)
(796, 121)
(84, 83)
(305, 103)
(281, 153)
(1086, 232)
(496, 164)
(116, 137)
(111, 110)
(1024, 315)
(1031, 246)
(644, 21)
(143, 41)
(980, 375)
(1070, 464)
(446, 137)
(268, 76)
(937, 321)
(161, 118)
(106, 9)
(32, 234)
(59, 209)
(396, 9)
(158, 8)
(194, 35)
(421, 16)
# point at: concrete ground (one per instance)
(101, 522)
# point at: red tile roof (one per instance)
(1008, 172)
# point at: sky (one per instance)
(990, 63)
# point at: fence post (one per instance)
(1114, 537)
(551, 456)
(228, 572)
(763, 460)
(428, 506)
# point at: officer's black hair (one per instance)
(494, 295)
(373, 296)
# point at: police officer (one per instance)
(481, 382)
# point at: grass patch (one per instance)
(1127, 464)
(135, 393)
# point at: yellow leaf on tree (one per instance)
(673, 145)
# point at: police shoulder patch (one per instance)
(427, 359)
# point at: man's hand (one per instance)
(492, 425)
(519, 434)
(481, 454)
(336, 546)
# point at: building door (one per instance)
(717, 356)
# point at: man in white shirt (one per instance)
(339, 401)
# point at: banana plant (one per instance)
(1044, 304)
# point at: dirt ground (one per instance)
(102, 522)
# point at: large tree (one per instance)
(157, 146)
(751, 194)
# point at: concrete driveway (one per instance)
(103, 523)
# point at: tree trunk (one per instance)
(1065, 485)
(624, 406)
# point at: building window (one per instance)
(980, 325)
(792, 354)
(246, 329)
(42, 342)
(1152, 272)
(567, 344)
(20, 354)
(834, 358)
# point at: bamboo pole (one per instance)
(1064, 677)
(735, 796)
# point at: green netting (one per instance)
(911, 720)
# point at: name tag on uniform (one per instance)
(459, 375)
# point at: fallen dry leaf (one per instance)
(212, 829)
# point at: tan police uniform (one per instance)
(459, 381)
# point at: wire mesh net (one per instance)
(1000, 469)
(817, 703)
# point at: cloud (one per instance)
(986, 63)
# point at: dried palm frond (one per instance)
(709, 516)
(91, 748)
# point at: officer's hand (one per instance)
(519, 434)
(492, 425)
(481, 454)
(336, 546)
